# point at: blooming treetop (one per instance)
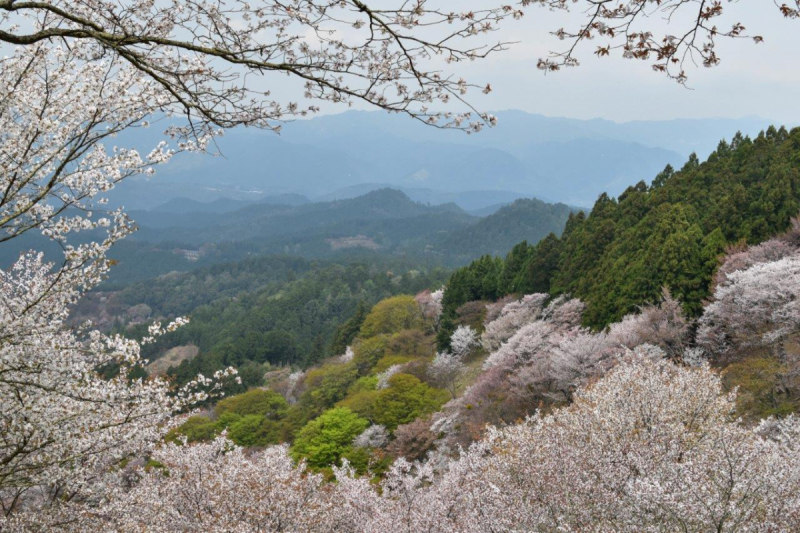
(463, 339)
(759, 305)
(63, 425)
(651, 446)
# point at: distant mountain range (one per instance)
(385, 222)
(478, 203)
(223, 205)
(345, 155)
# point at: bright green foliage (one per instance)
(406, 399)
(263, 402)
(254, 430)
(323, 440)
(361, 403)
(670, 233)
(327, 385)
(367, 383)
(253, 418)
(368, 352)
(391, 316)
(195, 429)
(361, 395)
(359, 459)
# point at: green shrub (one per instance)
(359, 459)
(411, 342)
(195, 429)
(406, 399)
(244, 431)
(368, 352)
(327, 385)
(391, 316)
(323, 440)
(266, 403)
(254, 430)
(361, 403)
(367, 383)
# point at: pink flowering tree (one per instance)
(753, 301)
(652, 445)
(431, 305)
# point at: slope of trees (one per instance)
(269, 311)
(378, 384)
(78, 429)
(650, 446)
(666, 234)
(618, 424)
(496, 234)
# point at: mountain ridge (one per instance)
(556, 159)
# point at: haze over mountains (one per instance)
(385, 220)
(347, 155)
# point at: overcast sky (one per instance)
(752, 79)
(762, 80)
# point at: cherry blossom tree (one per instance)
(383, 377)
(662, 324)
(513, 316)
(347, 356)
(651, 446)
(62, 423)
(203, 57)
(431, 305)
(201, 488)
(755, 306)
(463, 339)
(445, 369)
(687, 37)
(375, 436)
(75, 76)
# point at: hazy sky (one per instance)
(752, 79)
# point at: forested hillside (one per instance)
(529, 219)
(668, 234)
(386, 219)
(261, 312)
(253, 359)
(378, 224)
(647, 400)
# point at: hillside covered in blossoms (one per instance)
(225, 306)
(675, 416)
